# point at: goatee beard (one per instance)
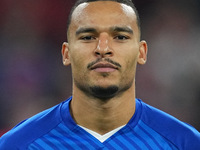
(104, 93)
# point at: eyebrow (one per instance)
(112, 29)
(86, 30)
(122, 29)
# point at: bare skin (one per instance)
(100, 31)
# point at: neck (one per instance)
(103, 116)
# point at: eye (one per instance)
(121, 37)
(87, 38)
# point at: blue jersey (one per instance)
(148, 129)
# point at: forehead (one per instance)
(103, 14)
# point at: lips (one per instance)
(104, 67)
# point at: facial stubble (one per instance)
(103, 93)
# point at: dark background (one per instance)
(32, 76)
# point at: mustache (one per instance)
(105, 59)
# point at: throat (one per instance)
(102, 116)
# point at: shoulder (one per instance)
(177, 132)
(30, 129)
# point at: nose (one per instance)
(103, 48)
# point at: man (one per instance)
(103, 50)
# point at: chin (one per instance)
(104, 93)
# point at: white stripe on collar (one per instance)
(100, 137)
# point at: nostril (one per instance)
(109, 53)
(102, 54)
(97, 53)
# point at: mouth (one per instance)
(104, 67)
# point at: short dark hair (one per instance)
(126, 2)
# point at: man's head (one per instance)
(126, 2)
(103, 48)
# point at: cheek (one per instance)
(131, 66)
(130, 62)
(129, 55)
(83, 50)
(77, 55)
(79, 63)
(128, 74)
(81, 55)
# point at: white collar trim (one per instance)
(100, 137)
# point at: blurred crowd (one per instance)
(33, 78)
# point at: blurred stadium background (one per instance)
(32, 76)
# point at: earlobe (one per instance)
(65, 54)
(142, 57)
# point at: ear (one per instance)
(65, 54)
(142, 57)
